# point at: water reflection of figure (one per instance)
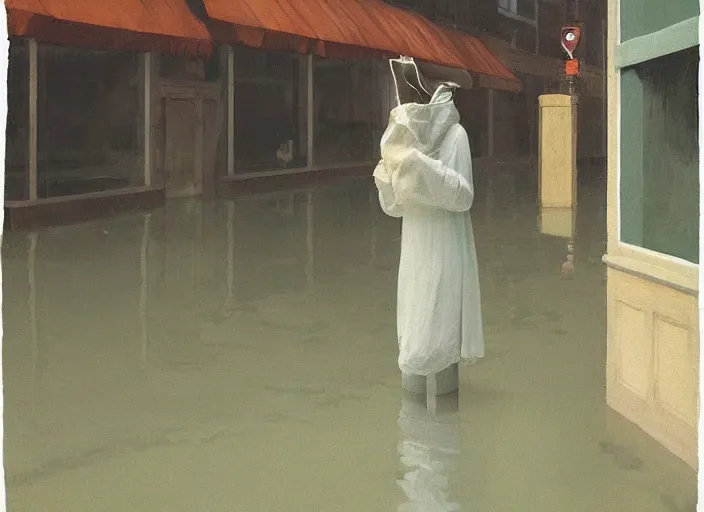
(428, 448)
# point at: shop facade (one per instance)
(111, 113)
(110, 127)
(653, 219)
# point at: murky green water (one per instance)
(241, 356)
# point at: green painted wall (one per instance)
(640, 17)
(631, 158)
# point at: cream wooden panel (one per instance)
(675, 369)
(653, 359)
(635, 355)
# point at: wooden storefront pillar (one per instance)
(490, 123)
(310, 109)
(147, 115)
(230, 111)
(33, 134)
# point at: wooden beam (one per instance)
(672, 39)
(490, 123)
(32, 157)
(147, 105)
(311, 112)
(230, 111)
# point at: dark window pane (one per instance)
(660, 155)
(270, 110)
(89, 121)
(526, 8)
(17, 128)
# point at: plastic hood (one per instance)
(422, 126)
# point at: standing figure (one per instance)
(425, 177)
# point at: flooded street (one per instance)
(241, 355)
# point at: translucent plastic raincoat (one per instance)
(425, 176)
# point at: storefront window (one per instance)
(190, 69)
(89, 121)
(659, 155)
(17, 128)
(270, 110)
(348, 116)
(520, 8)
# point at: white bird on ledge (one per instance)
(285, 153)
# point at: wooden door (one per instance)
(183, 159)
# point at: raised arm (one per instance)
(418, 179)
(387, 198)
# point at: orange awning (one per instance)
(350, 28)
(328, 28)
(154, 25)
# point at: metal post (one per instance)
(537, 26)
(32, 157)
(230, 111)
(147, 63)
(310, 109)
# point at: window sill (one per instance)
(673, 39)
(24, 203)
(517, 17)
(684, 282)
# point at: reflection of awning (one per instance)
(351, 28)
(156, 25)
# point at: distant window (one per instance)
(519, 9)
(194, 69)
(446, 9)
